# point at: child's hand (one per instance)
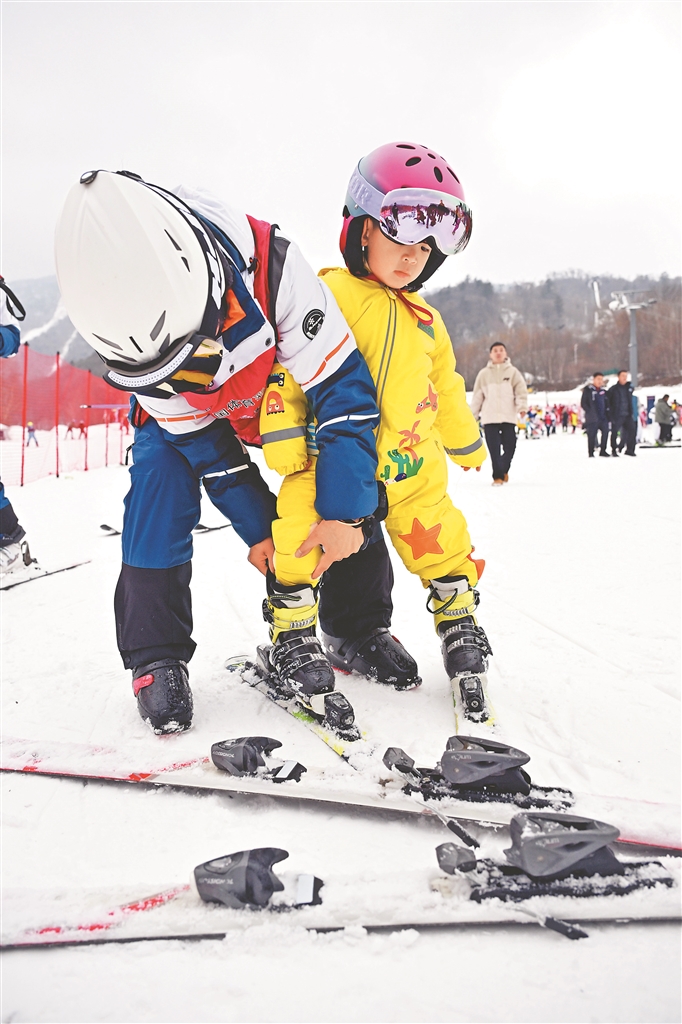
(338, 540)
(262, 555)
(467, 468)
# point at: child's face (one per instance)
(395, 265)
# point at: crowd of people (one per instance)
(608, 416)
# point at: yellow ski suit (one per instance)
(424, 415)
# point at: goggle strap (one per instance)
(366, 196)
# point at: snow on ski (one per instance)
(375, 790)
(354, 747)
(35, 572)
(385, 900)
(468, 694)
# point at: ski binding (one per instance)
(477, 770)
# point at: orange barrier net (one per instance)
(55, 418)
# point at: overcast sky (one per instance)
(561, 119)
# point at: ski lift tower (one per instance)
(631, 301)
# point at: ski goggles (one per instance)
(411, 215)
(190, 364)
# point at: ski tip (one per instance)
(570, 931)
(237, 663)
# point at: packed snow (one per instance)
(580, 599)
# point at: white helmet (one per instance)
(140, 277)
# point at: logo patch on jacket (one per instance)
(273, 403)
(312, 322)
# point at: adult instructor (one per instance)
(500, 396)
(165, 287)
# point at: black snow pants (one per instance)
(153, 607)
(628, 435)
(592, 429)
(501, 441)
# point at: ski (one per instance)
(377, 791)
(111, 531)
(238, 890)
(35, 572)
(352, 745)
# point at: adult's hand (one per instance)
(338, 540)
(262, 555)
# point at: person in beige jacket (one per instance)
(500, 396)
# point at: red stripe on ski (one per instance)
(150, 903)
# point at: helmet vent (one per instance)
(135, 343)
(156, 329)
(412, 161)
(438, 173)
(107, 342)
(173, 240)
(187, 264)
(454, 175)
(164, 344)
(405, 145)
(432, 155)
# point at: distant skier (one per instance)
(12, 534)
(424, 414)
(31, 434)
(595, 406)
(162, 285)
(622, 413)
(500, 396)
(665, 417)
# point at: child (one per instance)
(404, 214)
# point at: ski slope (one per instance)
(580, 599)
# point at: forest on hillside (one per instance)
(556, 334)
(553, 330)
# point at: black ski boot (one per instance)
(296, 656)
(164, 698)
(378, 655)
(465, 647)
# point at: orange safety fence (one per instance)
(55, 418)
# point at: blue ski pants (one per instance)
(153, 601)
(162, 505)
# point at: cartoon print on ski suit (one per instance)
(424, 416)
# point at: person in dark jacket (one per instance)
(621, 410)
(595, 407)
(12, 544)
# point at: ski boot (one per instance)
(378, 655)
(14, 553)
(465, 647)
(164, 698)
(296, 658)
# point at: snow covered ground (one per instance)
(580, 599)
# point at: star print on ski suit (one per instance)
(424, 416)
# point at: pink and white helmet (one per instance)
(414, 195)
